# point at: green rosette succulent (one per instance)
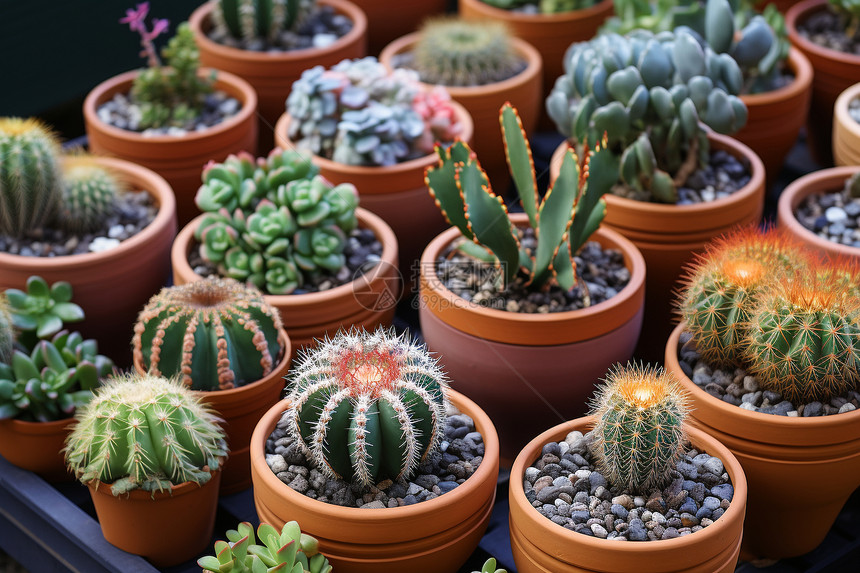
(41, 310)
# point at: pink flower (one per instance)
(158, 27)
(135, 18)
(439, 117)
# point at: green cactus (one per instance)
(569, 213)
(88, 197)
(30, 176)
(289, 551)
(145, 432)
(41, 311)
(7, 331)
(490, 567)
(639, 427)
(543, 6)
(213, 334)
(260, 19)
(367, 407)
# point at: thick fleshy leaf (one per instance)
(520, 162)
(556, 213)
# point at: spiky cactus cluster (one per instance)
(30, 175)
(366, 407)
(88, 196)
(214, 334)
(145, 432)
(260, 19)
(454, 52)
(639, 428)
(7, 331)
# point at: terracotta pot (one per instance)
(241, 408)
(37, 447)
(784, 460)
(272, 74)
(775, 117)
(431, 536)
(834, 72)
(180, 160)
(669, 235)
(382, 28)
(518, 366)
(396, 193)
(167, 528)
(781, 5)
(484, 102)
(111, 286)
(367, 301)
(822, 181)
(541, 546)
(846, 130)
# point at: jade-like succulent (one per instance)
(41, 311)
(256, 19)
(366, 407)
(7, 331)
(30, 176)
(213, 334)
(287, 551)
(563, 221)
(639, 427)
(647, 94)
(543, 6)
(490, 567)
(145, 432)
(89, 195)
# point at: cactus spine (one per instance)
(263, 19)
(638, 434)
(88, 196)
(215, 334)
(367, 406)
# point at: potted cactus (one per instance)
(633, 447)
(367, 413)
(375, 128)
(767, 353)
(171, 118)
(538, 344)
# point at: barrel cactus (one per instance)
(214, 334)
(367, 407)
(30, 175)
(145, 432)
(639, 428)
(260, 19)
(89, 195)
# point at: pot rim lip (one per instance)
(381, 230)
(561, 18)
(489, 466)
(157, 187)
(202, 14)
(840, 109)
(738, 483)
(799, 64)
(98, 94)
(729, 410)
(96, 486)
(36, 428)
(799, 12)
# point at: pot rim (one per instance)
(37, 428)
(97, 486)
(801, 11)
(840, 110)
(560, 18)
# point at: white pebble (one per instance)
(791, 414)
(116, 231)
(582, 474)
(847, 407)
(323, 40)
(747, 406)
(835, 214)
(101, 244)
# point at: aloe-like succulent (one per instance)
(563, 221)
(253, 19)
(42, 310)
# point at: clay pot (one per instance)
(37, 447)
(166, 527)
(834, 72)
(111, 286)
(368, 301)
(669, 235)
(775, 117)
(241, 408)
(272, 74)
(484, 102)
(431, 536)
(541, 546)
(180, 160)
(846, 130)
(822, 181)
(396, 193)
(382, 28)
(528, 370)
(794, 466)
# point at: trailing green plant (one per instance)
(42, 310)
(213, 334)
(289, 551)
(30, 176)
(7, 330)
(89, 195)
(543, 6)
(366, 407)
(454, 52)
(563, 221)
(639, 427)
(255, 19)
(146, 432)
(648, 93)
(490, 567)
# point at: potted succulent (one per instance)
(172, 118)
(275, 223)
(846, 129)
(536, 308)
(634, 471)
(150, 453)
(767, 353)
(366, 415)
(68, 219)
(46, 373)
(655, 110)
(222, 339)
(375, 128)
